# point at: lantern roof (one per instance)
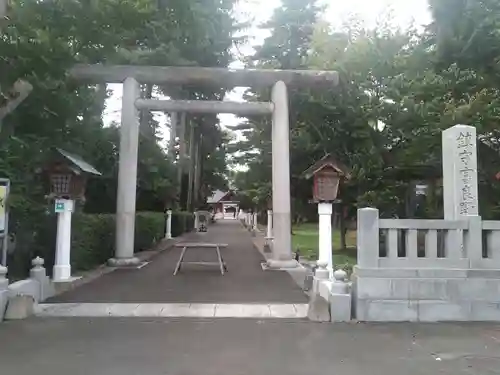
(78, 165)
(327, 161)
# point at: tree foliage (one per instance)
(399, 89)
(43, 39)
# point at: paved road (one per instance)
(227, 346)
(244, 283)
(137, 346)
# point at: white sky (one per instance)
(404, 13)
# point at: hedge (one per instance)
(182, 222)
(93, 242)
(93, 238)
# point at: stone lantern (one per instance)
(327, 174)
(67, 176)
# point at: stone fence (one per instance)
(426, 270)
(37, 288)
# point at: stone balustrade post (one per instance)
(322, 272)
(473, 237)
(340, 284)
(340, 297)
(39, 273)
(368, 238)
(319, 307)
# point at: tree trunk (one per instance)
(343, 228)
(146, 128)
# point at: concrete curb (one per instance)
(298, 274)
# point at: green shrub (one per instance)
(182, 222)
(92, 239)
(149, 228)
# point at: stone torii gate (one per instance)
(132, 76)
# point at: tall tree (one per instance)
(291, 29)
(43, 39)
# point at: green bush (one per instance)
(92, 239)
(182, 222)
(149, 228)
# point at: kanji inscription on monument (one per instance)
(465, 147)
(460, 171)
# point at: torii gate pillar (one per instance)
(282, 244)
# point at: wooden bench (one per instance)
(194, 245)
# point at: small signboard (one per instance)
(327, 174)
(63, 205)
(326, 185)
(59, 206)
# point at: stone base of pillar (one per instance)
(282, 263)
(124, 262)
(62, 273)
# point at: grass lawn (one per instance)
(305, 238)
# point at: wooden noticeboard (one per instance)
(326, 184)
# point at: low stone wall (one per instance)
(27, 287)
(330, 300)
(450, 275)
(38, 286)
(427, 295)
